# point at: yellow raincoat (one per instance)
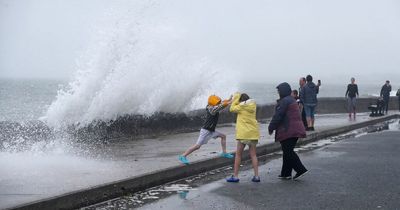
(246, 122)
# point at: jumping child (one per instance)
(215, 105)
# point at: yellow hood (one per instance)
(246, 122)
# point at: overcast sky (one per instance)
(261, 39)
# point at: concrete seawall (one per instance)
(164, 123)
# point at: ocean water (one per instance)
(25, 100)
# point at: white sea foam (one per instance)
(138, 64)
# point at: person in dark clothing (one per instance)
(385, 94)
(288, 127)
(215, 105)
(295, 95)
(398, 96)
(302, 82)
(351, 94)
(308, 97)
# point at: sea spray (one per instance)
(138, 65)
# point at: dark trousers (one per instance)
(386, 106)
(303, 118)
(399, 103)
(290, 158)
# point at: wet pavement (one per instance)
(33, 175)
(347, 172)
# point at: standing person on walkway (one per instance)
(308, 96)
(398, 96)
(385, 94)
(351, 94)
(215, 105)
(247, 133)
(302, 82)
(295, 95)
(288, 128)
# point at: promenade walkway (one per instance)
(355, 173)
(32, 176)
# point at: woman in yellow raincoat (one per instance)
(247, 133)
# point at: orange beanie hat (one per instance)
(214, 100)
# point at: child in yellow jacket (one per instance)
(247, 133)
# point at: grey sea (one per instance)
(28, 99)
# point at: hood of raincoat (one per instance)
(284, 90)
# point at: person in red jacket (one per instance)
(288, 128)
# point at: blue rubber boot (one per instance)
(183, 159)
(226, 155)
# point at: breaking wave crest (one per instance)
(137, 66)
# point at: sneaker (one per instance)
(284, 177)
(298, 175)
(232, 179)
(183, 159)
(226, 155)
(312, 129)
(255, 179)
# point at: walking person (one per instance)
(302, 82)
(351, 94)
(398, 96)
(247, 133)
(288, 128)
(215, 105)
(385, 94)
(308, 96)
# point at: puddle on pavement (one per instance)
(184, 187)
(391, 125)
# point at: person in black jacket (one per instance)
(385, 94)
(398, 95)
(351, 94)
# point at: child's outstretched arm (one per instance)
(227, 102)
(214, 109)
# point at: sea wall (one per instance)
(163, 123)
(13, 134)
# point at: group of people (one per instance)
(307, 100)
(383, 101)
(294, 115)
(286, 122)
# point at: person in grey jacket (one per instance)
(308, 97)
